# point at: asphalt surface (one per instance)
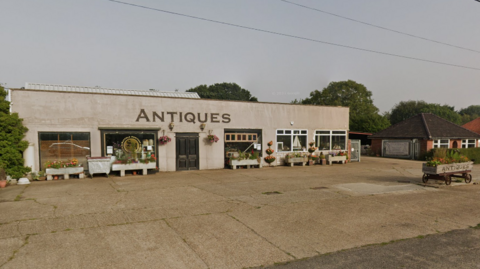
(455, 249)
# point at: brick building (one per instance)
(415, 136)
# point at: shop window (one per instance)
(63, 147)
(129, 144)
(468, 143)
(331, 140)
(243, 140)
(291, 140)
(441, 143)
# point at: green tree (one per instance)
(408, 109)
(364, 115)
(470, 113)
(224, 91)
(12, 132)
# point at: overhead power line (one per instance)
(297, 37)
(381, 27)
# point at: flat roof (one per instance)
(66, 88)
(147, 93)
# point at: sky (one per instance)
(113, 45)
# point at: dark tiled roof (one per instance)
(473, 125)
(425, 126)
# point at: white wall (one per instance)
(45, 111)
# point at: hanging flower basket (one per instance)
(164, 140)
(213, 138)
(269, 159)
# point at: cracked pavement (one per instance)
(223, 219)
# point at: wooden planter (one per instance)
(234, 163)
(331, 159)
(65, 172)
(447, 171)
(447, 168)
(133, 166)
(291, 161)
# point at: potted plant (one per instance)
(66, 168)
(163, 140)
(444, 164)
(311, 150)
(296, 157)
(213, 138)
(269, 159)
(336, 157)
(323, 160)
(247, 159)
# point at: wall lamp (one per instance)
(202, 126)
(170, 126)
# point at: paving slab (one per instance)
(60, 188)
(22, 210)
(289, 197)
(163, 197)
(82, 204)
(8, 247)
(142, 245)
(368, 188)
(9, 230)
(223, 242)
(11, 192)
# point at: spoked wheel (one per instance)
(448, 180)
(425, 178)
(468, 178)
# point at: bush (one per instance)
(471, 153)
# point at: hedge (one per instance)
(472, 153)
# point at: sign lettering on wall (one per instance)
(189, 117)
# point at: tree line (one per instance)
(364, 115)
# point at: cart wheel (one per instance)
(448, 180)
(425, 178)
(468, 178)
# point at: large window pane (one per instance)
(284, 142)
(119, 145)
(299, 143)
(64, 147)
(338, 142)
(322, 142)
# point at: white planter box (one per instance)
(248, 163)
(331, 159)
(99, 165)
(133, 166)
(66, 172)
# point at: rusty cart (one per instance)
(447, 171)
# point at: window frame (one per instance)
(437, 143)
(467, 142)
(39, 133)
(330, 135)
(291, 133)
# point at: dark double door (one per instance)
(187, 151)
